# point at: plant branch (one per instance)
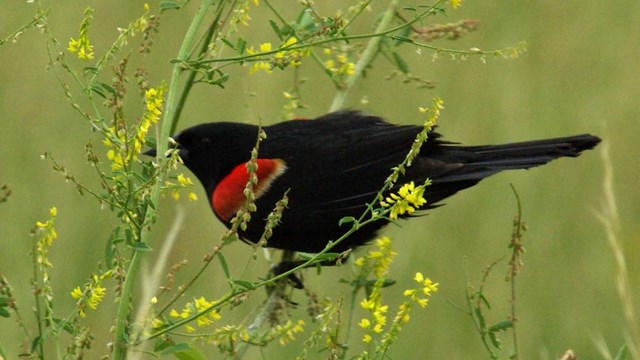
(120, 337)
(365, 59)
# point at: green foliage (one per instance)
(175, 321)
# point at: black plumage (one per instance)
(335, 164)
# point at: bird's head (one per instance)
(211, 150)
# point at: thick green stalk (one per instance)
(367, 56)
(120, 341)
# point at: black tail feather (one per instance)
(479, 162)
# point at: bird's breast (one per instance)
(228, 195)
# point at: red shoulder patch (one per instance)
(228, 197)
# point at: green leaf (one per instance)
(223, 263)
(346, 220)
(385, 283)
(4, 301)
(400, 63)
(622, 353)
(501, 326)
(305, 20)
(140, 246)
(404, 33)
(244, 284)
(169, 5)
(66, 326)
(150, 141)
(485, 300)
(323, 257)
(241, 45)
(495, 341)
(4, 312)
(176, 348)
(276, 29)
(191, 354)
(228, 43)
(220, 81)
(35, 343)
(161, 344)
(480, 316)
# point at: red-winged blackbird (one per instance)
(334, 165)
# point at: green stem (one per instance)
(367, 56)
(120, 338)
(188, 85)
(267, 308)
(304, 44)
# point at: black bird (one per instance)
(334, 165)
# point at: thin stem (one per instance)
(267, 308)
(192, 74)
(304, 45)
(365, 59)
(515, 265)
(120, 338)
(610, 220)
(38, 308)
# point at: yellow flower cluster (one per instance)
(201, 307)
(339, 65)
(378, 260)
(92, 294)
(455, 3)
(183, 182)
(46, 235)
(286, 332)
(82, 46)
(224, 337)
(124, 149)
(419, 296)
(48, 227)
(281, 59)
(241, 14)
(406, 201)
(375, 326)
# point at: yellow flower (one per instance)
(364, 323)
(409, 292)
(367, 338)
(215, 315)
(419, 277)
(423, 302)
(97, 294)
(407, 200)
(367, 304)
(82, 46)
(184, 181)
(157, 323)
(265, 47)
(76, 293)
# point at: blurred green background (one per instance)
(581, 75)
